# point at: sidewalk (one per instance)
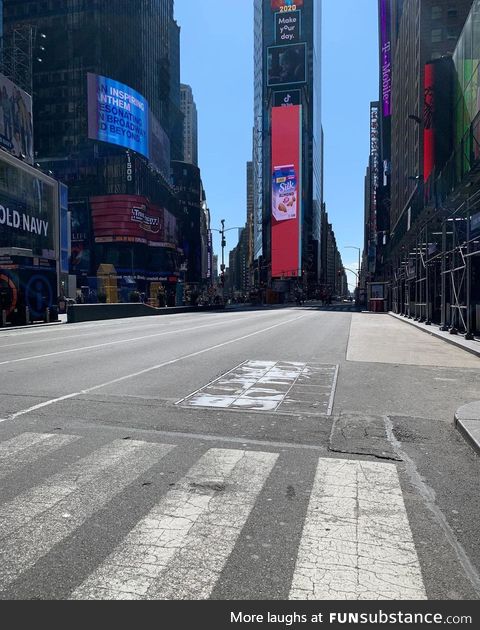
(467, 418)
(467, 421)
(456, 340)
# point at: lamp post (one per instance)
(224, 244)
(359, 262)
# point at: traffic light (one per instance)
(222, 278)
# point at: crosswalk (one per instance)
(356, 541)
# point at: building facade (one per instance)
(287, 133)
(190, 125)
(107, 123)
(426, 248)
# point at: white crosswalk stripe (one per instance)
(356, 541)
(179, 550)
(28, 448)
(40, 518)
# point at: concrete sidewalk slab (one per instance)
(455, 340)
(378, 338)
(467, 421)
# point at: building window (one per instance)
(436, 35)
(436, 13)
(452, 13)
(452, 33)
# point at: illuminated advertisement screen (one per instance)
(117, 114)
(127, 219)
(286, 191)
(286, 5)
(287, 64)
(288, 27)
(429, 128)
(386, 57)
(16, 122)
(28, 207)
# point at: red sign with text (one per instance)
(286, 191)
(127, 218)
(428, 122)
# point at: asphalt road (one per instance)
(261, 454)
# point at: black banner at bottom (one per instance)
(272, 615)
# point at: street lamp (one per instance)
(224, 242)
(359, 261)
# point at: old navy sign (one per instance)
(23, 222)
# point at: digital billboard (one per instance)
(287, 98)
(428, 122)
(288, 27)
(287, 64)
(386, 58)
(286, 5)
(28, 208)
(127, 219)
(16, 122)
(118, 114)
(286, 191)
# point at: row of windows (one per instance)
(437, 13)
(439, 34)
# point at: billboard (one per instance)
(288, 27)
(287, 64)
(374, 167)
(28, 207)
(286, 5)
(286, 191)
(386, 57)
(287, 98)
(428, 122)
(118, 114)
(16, 121)
(127, 219)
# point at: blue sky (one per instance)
(217, 61)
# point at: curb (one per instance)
(30, 326)
(467, 422)
(450, 339)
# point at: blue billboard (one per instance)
(118, 114)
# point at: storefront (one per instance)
(29, 242)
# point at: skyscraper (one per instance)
(190, 125)
(287, 153)
(107, 119)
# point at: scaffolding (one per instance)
(436, 276)
(17, 54)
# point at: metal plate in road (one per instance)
(271, 386)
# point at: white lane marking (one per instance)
(356, 542)
(35, 521)
(148, 370)
(180, 548)
(333, 392)
(110, 343)
(115, 330)
(27, 448)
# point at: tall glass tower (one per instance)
(288, 134)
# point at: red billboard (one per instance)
(127, 219)
(428, 123)
(286, 191)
